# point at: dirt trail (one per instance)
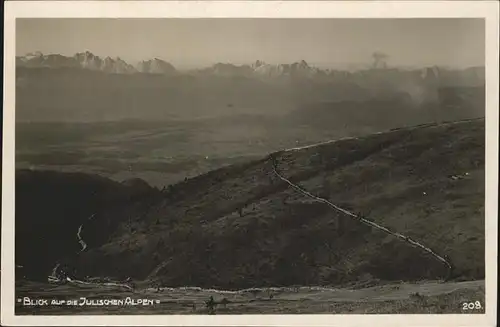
(386, 292)
(353, 215)
(393, 291)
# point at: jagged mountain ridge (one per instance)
(262, 69)
(155, 66)
(87, 60)
(300, 69)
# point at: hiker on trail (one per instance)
(274, 161)
(62, 274)
(211, 305)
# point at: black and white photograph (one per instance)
(250, 166)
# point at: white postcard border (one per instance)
(239, 9)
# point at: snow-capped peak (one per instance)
(155, 66)
(32, 55)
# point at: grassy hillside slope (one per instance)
(241, 226)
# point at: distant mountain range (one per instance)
(89, 61)
(86, 87)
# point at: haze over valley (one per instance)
(105, 116)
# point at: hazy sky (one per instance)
(323, 42)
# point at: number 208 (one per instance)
(471, 305)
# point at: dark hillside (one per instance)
(49, 208)
(241, 226)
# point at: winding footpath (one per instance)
(79, 232)
(353, 215)
(53, 278)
